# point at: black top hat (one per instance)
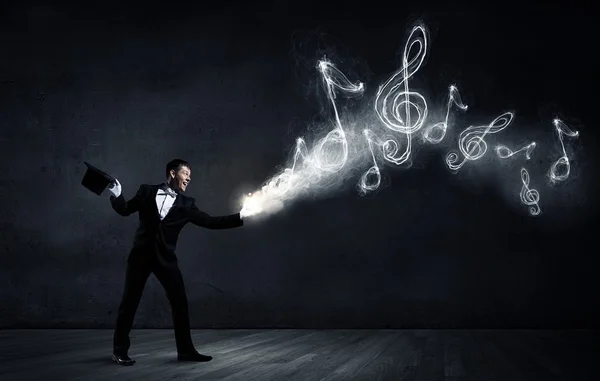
(95, 179)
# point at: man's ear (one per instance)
(172, 173)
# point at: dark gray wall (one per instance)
(129, 89)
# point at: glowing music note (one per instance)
(367, 183)
(325, 158)
(471, 141)
(436, 133)
(563, 162)
(529, 197)
(504, 152)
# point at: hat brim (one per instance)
(95, 179)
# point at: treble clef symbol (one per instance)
(471, 141)
(395, 104)
(529, 197)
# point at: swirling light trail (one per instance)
(399, 111)
(504, 152)
(529, 197)
(563, 161)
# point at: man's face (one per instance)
(180, 179)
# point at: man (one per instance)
(163, 211)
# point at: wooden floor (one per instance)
(304, 355)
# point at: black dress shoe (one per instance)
(123, 360)
(193, 356)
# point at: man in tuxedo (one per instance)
(163, 211)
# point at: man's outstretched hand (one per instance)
(115, 188)
(250, 207)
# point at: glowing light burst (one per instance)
(504, 152)
(560, 170)
(529, 197)
(472, 144)
(435, 133)
(400, 113)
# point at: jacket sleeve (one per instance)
(199, 218)
(125, 208)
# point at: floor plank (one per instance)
(292, 355)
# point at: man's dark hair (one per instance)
(176, 165)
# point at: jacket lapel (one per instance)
(175, 208)
(152, 200)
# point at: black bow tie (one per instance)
(167, 192)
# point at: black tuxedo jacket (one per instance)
(159, 237)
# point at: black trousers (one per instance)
(135, 280)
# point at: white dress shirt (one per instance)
(164, 201)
